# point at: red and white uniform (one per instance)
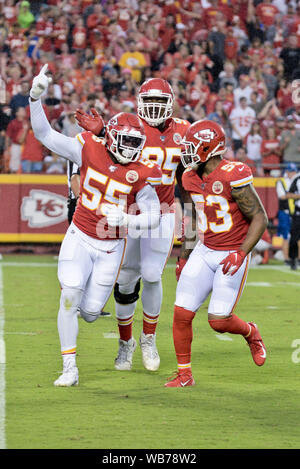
(222, 226)
(102, 181)
(90, 256)
(164, 148)
(222, 229)
(146, 255)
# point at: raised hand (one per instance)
(94, 123)
(40, 83)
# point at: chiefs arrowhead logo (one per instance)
(205, 135)
(42, 208)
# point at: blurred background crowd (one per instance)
(233, 61)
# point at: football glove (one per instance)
(40, 83)
(115, 215)
(179, 266)
(94, 123)
(233, 262)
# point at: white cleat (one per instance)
(150, 357)
(124, 359)
(68, 378)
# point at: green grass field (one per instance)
(234, 404)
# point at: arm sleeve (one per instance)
(64, 146)
(280, 189)
(149, 206)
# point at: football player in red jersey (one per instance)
(146, 255)
(113, 180)
(231, 220)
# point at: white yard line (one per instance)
(2, 366)
(29, 264)
(284, 269)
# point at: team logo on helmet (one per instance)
(131, 176)
(217, 187)
(205, 135)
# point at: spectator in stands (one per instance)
(290, 142)
(20, 99)
(32, 150)
(284, 96)
(70, 125)
(271, 151)
(191, 115)
(270, 80)
(231, 46)
(14, 129)
(54, 164)
(4, 121)
(241, 119)
(134, 60)
(290, 56)
(253, 143)
(220, 116)
(216, 39)
(238, 48)
(244, 66)
(256, 102)
(25, 17)
(280, 126)
(227, 75)
(243, 89)
(268, 115)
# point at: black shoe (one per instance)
(104, 314)
(293, 264)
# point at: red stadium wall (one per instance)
(33, 208)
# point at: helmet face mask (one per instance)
(189, 157)
(203, 140)
(155, 101)
(125, 137)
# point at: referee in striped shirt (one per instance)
(294, 242)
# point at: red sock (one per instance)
(183, 337)
(232, 324)
(149, 323)
(125, 328)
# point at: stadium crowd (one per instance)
(234, 61)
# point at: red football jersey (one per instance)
(221, 224)
(102, 181)
(164, 148)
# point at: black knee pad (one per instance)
(127, 298)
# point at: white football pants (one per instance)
(202, 275)
(146, 255)
(87, 271)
